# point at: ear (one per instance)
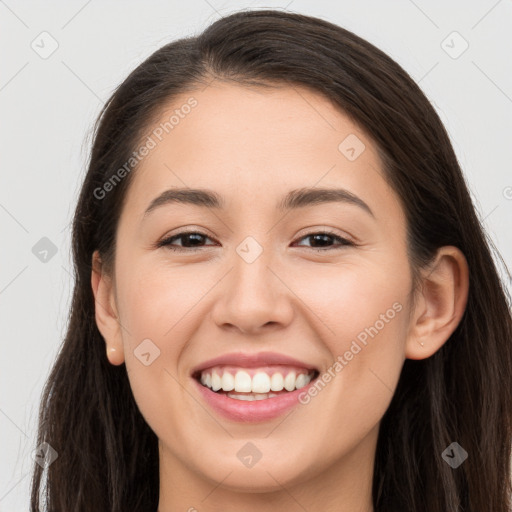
(440, 303)
(106, 312)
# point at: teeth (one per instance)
(277, 382)
(243, 382)
(228, 382)
(289, 382)
(252, 397)
(261, 384)
(216, 381)
(301, 381)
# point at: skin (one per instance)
(253, 145)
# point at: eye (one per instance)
(191, 239)
(323, 239)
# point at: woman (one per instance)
(284, 299)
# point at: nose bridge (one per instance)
(252, 295)
(252, 262)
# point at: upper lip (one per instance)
(245, 360)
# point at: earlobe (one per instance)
(105, 311)
(440, 303)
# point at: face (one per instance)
(271, 294)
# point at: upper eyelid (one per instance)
(313, 231)
(191, 232)
(309, 230)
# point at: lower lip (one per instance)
(251, 411)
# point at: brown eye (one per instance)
(191, 241)
(324, 239)
(194, 241)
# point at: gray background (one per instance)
(48, 106)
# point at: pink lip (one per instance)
(251, 361)
(256, 410)
(251, 412)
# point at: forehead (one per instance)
(255, 143)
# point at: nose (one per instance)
(252, 297)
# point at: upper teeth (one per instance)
(260, 382)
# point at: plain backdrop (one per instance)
(48, 104)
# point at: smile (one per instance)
(253, 388)
(255, 383)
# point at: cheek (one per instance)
(154, 307)
(154, 302)
(361, 312)
(352, 301)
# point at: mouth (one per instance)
(251, 384)
(253, 388)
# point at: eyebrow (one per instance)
(298, 198)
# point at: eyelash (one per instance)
(166, 242)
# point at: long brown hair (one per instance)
(108, 455)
